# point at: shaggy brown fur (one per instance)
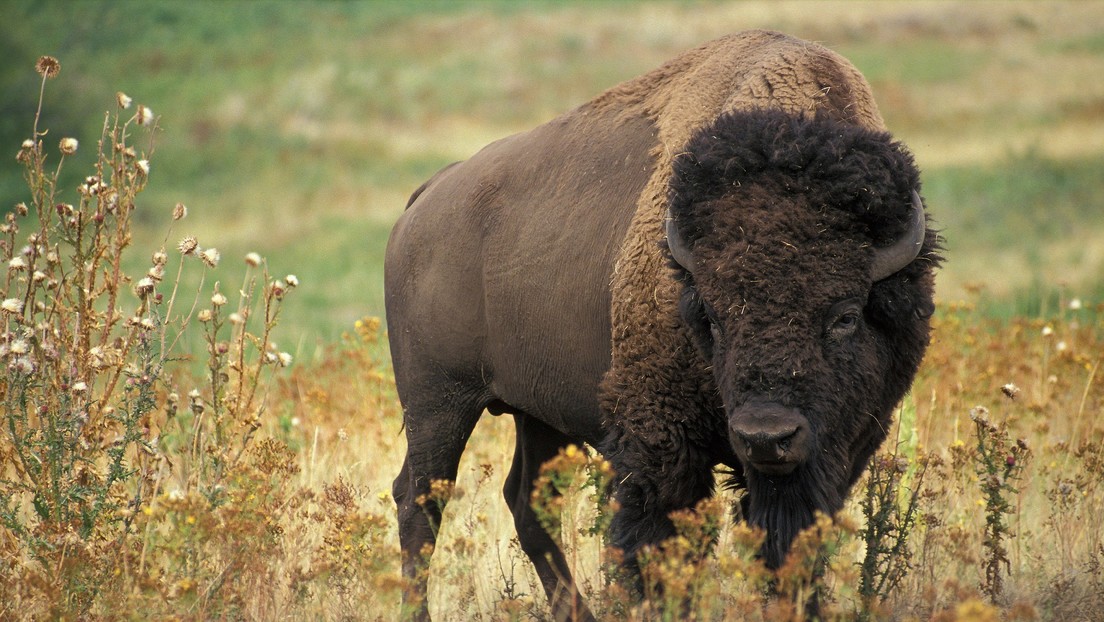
(655, 383)
(782, 214)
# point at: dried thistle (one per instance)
(144, 287)
(210, 257)
(188, 245)
(68, 146)
(144, 116)
(48, 67)
(999, 464)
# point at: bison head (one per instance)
(806, 271)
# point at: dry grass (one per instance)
(1000, 98)
(1036, 379)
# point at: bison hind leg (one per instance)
(537, 442)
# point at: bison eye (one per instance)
(845, 319)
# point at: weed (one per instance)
(888, 524)
(103, 469)
(563, 477)
(1000, 464)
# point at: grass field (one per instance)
(297, 130)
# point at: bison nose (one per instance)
(769, 437)
(768, 445)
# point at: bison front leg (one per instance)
(653, 479)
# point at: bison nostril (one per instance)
(784, 444)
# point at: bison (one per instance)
(724, 261)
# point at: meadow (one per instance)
(196, 434)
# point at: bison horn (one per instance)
(679, 251)
(889, 260)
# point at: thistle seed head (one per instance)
(48, 66)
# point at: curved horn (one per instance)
(889, 260)
(679, 252)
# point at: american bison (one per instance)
(724, 261)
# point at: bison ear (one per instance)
(891, 259)
(679, 251)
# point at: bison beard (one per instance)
(784, 506)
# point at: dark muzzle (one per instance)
(769, 437)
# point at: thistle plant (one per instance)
(572, 471)
(94, 433)
(999, 463)
(891, 511)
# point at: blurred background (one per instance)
(298, 129)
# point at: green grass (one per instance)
(928, 61)
(1090, 44)
(299, 129)
(1032, 214)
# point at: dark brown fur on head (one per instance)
(782, 215)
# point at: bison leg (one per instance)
(436, 436)
(537, 443)
(652, 482)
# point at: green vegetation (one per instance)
(297, 130)
(295, 127)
